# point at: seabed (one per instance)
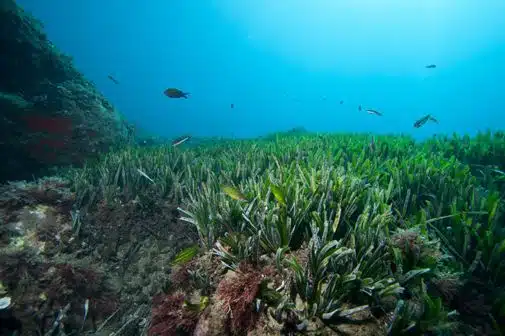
(324, 234)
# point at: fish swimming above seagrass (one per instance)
(424, 120)
(375, 112)
(180, 140)
(175, 93)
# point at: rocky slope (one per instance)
(50, 114)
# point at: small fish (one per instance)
(431, 66)
(175, 93)
(180, 140)
(233, 193)
(113, 79)
(232, 105)
(341, 102)
(424, 120)
(145, 175)
(375, 112)
(360, 108)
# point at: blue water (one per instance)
(288, 63)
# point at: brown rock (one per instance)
(213, 321)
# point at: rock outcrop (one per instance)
(50, 115)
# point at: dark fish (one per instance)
(180, 140)
(113, 79)
(377, 113)
(424, 120)
(360, 108)
(341, 102)
(232, 105)
(175, 93)
(431, 66)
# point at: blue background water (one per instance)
(288, 63)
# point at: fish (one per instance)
(175, 93)
(360, 108)
(232, 105)
(145, 175)
(341, 102)
(180, 140)
(424, 120)
(431, 66)
(375, 112)
(113, 79)
(233, 193)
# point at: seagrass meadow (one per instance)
(320, 234)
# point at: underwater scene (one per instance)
(239, 167)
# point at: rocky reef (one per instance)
(62, 270)
(50, 115)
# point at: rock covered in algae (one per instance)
(49, 113)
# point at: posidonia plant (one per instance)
(383, 228)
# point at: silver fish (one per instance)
(375, 112)
(180, 140)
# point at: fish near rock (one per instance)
(113, 79)
(175, 93)
(39, 130)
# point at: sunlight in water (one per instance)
(325, 33)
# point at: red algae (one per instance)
(53, 125)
